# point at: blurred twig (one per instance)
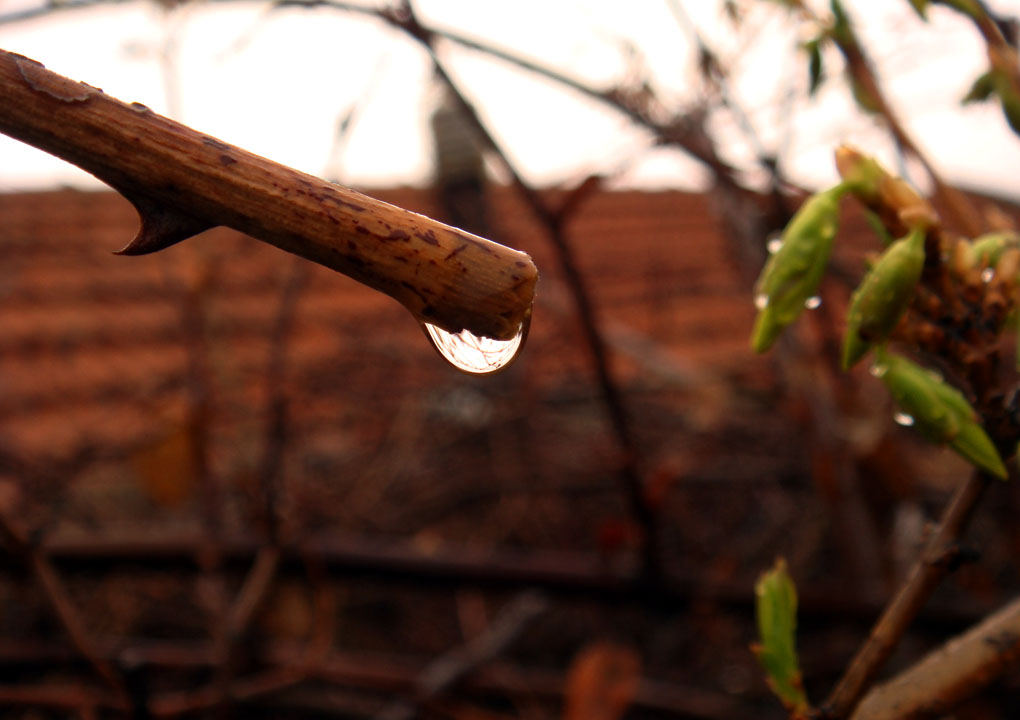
(53, 589)
(862, 73)
(403, 17)
(370, 673)
(445, 671)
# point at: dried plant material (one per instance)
(166, 468)
(602, 682)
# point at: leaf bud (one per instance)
(860, 172)
(776, 610)
(939, 411)
(883, 296)
(794, 271)
(989, 247)
(962, 258)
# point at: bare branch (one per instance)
(936, 560)
(951, 673)
(54, 591)
(446, 670)
(183, 182)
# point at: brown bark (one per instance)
(951, 673)
(183, 182)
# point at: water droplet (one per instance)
(878, 370)
(773, 245)
(987, 274)
(761, 301)
(813, 303)
(474, 354)
(903, 419)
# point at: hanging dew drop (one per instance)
(474, 354)
(773, 245)
(987, 274)
(813, 303)
(761, 301)
(878, 371)
(903, 419)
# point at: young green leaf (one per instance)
(883, 296)
(793, 273)
(815, 69)
(968, 7)
(921, 8)
(981, 89)
(776, 606)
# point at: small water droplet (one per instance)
(474, 354)
(903, 419)
(813, 303)
(987, 274)
(773, 245)
(761, 301)
(878, 370)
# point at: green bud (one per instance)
(840, 28)
(982, 88)
(1010, 106)
(776, 607)
(989, 248)
(913, 389)
(860, 173)
(793, 273)
(882, 298)
(939, 411)
(973, 444)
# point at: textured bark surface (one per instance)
(952, 673)
(183, 182)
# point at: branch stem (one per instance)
(183, 182)
(934, 563)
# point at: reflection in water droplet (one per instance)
(773, 245)
(813, 303)
(761, 301)
(474, 354)
(878, 370)
(987, 274)
(904, 419)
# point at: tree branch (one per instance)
(951, 673)
(54, 591)
(183, 182)
(936, 561)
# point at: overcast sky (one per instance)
(276, 84)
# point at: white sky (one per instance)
(277, 84)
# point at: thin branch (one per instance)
(862, 71)
(676, 132)
(935, 562)
(448, 669)
(183, 182)
(246, 689)
(949, 674)
(53, 590)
